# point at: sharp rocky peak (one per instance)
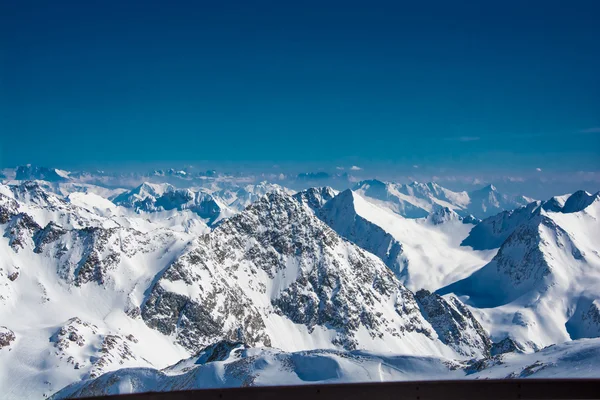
(276, 259)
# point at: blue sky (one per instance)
(472, 86)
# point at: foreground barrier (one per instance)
(423, 390)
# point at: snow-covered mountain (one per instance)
(164, 197)
(315, 198)
(69, 279)
(422, 252)
(88, 288)
(543, 285)
(417, 200)
(29, 172)
(115, 290)
(238, 198)
(234, 365)
(276, 275)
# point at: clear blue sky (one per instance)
(478, 84)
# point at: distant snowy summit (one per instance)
(416, 200)
(543, 284)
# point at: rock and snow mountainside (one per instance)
(422, 253)
(88, 290)
(455, 324)
(238, 198)
(236, 366)
(69, 282)
(29, 172)
(543, 285)
(315, 198)
(276, 275)
(417, 200)
(152, 197)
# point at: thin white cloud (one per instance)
(355, 168)
(595, 129)
(463, 139)
(340, 168)
(538, 169)
(415, 166)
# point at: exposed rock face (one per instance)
(6, 337)
(315, 198)
(150, 198)
(506, 345)
(49, 234)
(455, 324)
(276, 257)
(585, 322)
(443, 214)
(28, 172)
(89, 254)
(20, 230)
(33, 193)
(219, 351)
(471, 219)
(8, 208)
(75, 340)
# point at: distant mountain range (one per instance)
(416, 200)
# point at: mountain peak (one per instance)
(579, 201)
(29, 172)
(315, 198)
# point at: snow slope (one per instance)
(422, 252)
(417, 200)
(69, 283)
(543, 285)
(241, 366)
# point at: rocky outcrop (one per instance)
(20, 230)
(455, 324)
(8, 208)
(585, 321)
(279, 255)
(151, 198)
(76, 339)
(441, 215)
(6, 337)
(315, 198)
(506, 345)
